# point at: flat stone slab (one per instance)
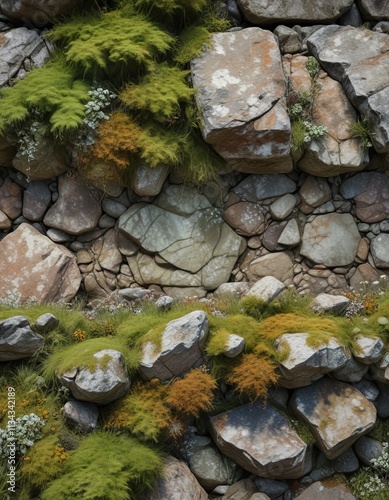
(331, 239)
(244, 114)
(261, 187)
(260, 439)
(336, 413)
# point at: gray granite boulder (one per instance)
(80, 416)
(282, 11)
(260, 439)
(305, 364)
(331, 239)
(266, 289)
(46, 323)
(244, 114)
(336, 413)
(181, 349)
(370, 350)
(108, 382)
(324, 302)
(28, 256)
(20, 46)
(17, 340)
(77, 210)
(209, 466)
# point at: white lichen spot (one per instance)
(220, 110)
(222, 78)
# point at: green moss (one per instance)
(52, 90)
(109, 466)
(191, 43)
(218, 342)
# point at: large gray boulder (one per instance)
(286, 12)
(180, 350)
(355, 57)
(331, 239)
(305, 364)
(34, 266)
(77, 210)
(244, 113)
(376, 10)
(336, 413)
(18, 47)
(108, 382)
(17, 340)
(259, 438)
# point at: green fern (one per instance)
(109, 466)
(111, 41)
(159, 93)
(52, 89)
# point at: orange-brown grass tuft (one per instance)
(252, 376)
(193, 393)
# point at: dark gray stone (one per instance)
(81, 416)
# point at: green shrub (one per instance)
(106, 466)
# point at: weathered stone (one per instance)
(38, 12)
(108, 382)
(17, 340)
(352, 17)
(27, 257)
(279, 265)
(234, 346)
(246, 218)
(325, 302)
(176, 482)
(315, 191)
(331, 490)
(17, 46)
(244, 114)
(76, 211)
(259, 438)
(380, 371)
(351, 371)
(183, 293)
(271, 236)
(376, 10)
(288, 39)
(281, 208)
(264, 12)
(209, 466)
(255, 188)
(266, 289)
(364, 272)
(50, 159)
(106, 222)
(337, 151)
(113, 208)
(182, 200)
(331, 240)
(181, 349)
(110, 258)
(36, 199)
(290, 236)
(59, 236)
(304, 363)
(368, 449)
(5, 222)
(363, 249)
(236, 288)
(46, 323)
(245, 488)
(147, 181)
(11, 198)
(382, 401)
(336, 414)
(354, 57)
(272, 487)
(379, 250)
(80, 416)
(164, 303)
(370, 350)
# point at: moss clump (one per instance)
(128, 467)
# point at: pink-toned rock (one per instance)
(246, 218)
(34, 266)
(11, 198)
(5, 222)
(364, 272)
(38, 12)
